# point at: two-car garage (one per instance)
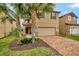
(45, 31)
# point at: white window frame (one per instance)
(69, 18)
(53, 14)
(74, 18)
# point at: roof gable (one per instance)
(71, 13)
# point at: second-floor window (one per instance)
(53, 15)
(74, 19)
(69, 18)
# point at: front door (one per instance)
(28, 30)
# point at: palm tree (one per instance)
(20, 12)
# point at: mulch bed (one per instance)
(38, 43)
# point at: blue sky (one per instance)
(68, 7)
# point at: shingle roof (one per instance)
(68, 14)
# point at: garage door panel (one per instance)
(46, 31)
(74, 31)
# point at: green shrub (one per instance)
(26, 40)
(17, 32)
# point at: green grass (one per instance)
(73, 37)
(5, 51)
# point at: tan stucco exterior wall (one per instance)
(6, 28)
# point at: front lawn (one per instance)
(5, 51)
(71, 37)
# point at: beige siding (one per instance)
(6, 28)
(14, 25)
(1, 29)
(63, 28)
(47, 23)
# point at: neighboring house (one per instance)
(68, 24)
(7, 27)
(47, 24)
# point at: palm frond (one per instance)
(3, 8)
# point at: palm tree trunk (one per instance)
(18, 26)
(33, 17)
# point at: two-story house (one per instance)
(68, 24)
(47, 24)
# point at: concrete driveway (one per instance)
(64, 46)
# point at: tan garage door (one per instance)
(46, 31)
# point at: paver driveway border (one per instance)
(64, 46)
